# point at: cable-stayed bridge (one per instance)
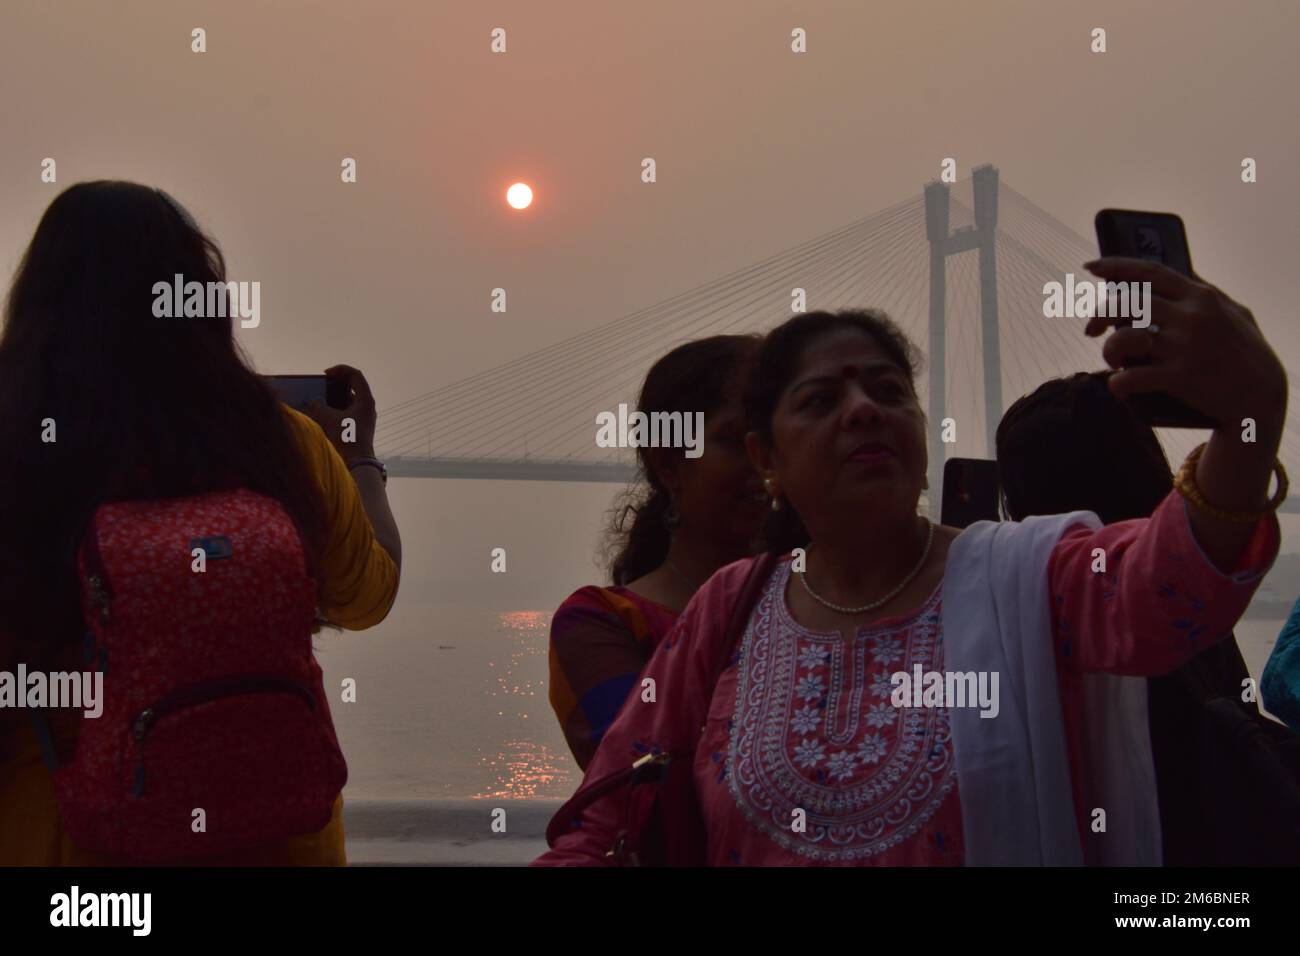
(961, 268)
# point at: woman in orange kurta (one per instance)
(109, 394)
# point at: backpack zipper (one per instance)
(204, 692)
(97, 580)
(99, 593)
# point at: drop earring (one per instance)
(770, 485)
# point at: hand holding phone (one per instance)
(298, 391)
(1208, 349)
(347, 397)
(1153, 237)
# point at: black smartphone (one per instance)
(970, 491)
(1155, 237)
(297, 390)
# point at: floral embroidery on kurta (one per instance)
(815, 730)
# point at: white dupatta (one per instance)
(1013, 771)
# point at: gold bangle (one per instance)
(1186, 485)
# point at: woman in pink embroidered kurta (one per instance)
(802, 755)
(896, 752)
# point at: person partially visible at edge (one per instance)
(809, 749)
(686, 518)
(149, 407)
(1279, 685)
(1072, 445)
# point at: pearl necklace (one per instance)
(884, 600)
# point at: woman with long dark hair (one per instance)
(893, 695)
(685, 518)
(102, 400)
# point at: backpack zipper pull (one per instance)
(143, 721)
(100, 594)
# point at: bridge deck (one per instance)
(524, 470)
(507, 470)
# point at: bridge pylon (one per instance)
(943, 243)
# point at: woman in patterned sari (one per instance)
(686, 518)
(1026, 742)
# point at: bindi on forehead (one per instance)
(827, 374)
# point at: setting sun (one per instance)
(520, 195)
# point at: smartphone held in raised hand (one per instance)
(1154, 237)
(297, 391)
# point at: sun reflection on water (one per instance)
(526, 767)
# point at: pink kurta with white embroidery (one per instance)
(804, 760)
(803, 740)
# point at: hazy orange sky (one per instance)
(757, 150)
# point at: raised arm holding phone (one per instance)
(366, 470)
(1206, 349)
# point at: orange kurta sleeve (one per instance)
(360, 579)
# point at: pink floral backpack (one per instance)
(215, 734)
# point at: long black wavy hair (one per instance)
(143, 407)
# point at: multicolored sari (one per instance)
(601, 638)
